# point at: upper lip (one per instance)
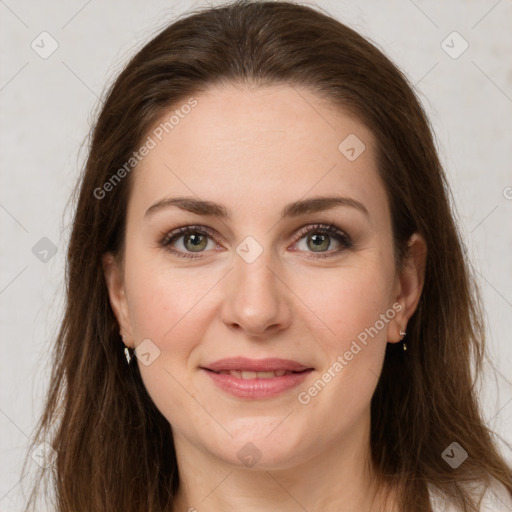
(256, 365)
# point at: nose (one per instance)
(256, 300)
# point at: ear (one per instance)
(114, 277)
(408, 286)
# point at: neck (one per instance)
(339, 477)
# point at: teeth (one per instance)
(255, 375)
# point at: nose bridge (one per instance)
(255, 298)
(254, 273)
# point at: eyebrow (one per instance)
(291, 210)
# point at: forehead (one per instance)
(253, 147)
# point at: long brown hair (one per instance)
(115, 449)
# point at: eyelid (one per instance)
(320, 227)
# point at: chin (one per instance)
(264, 449)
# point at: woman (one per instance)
(264, 222)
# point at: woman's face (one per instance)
(268, 279)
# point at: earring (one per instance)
(403, 333)
(128, 352)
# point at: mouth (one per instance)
(256, 378)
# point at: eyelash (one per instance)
(327, 229)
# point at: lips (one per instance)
(256, 379)
(246, 368)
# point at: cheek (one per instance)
(162, 298)
(353, 347)
(349, 331)
(165, 306)
(345, 302)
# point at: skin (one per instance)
(254, 150)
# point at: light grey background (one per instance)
(47, 108)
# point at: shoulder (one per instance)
(494, 498)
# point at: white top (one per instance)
(495, 499)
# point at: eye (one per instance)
(319, 237)
(194, 239)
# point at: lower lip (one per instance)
(257, 388)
